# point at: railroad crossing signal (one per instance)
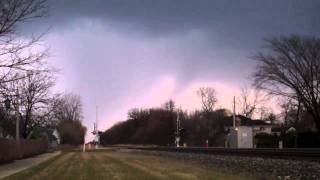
(178, 129)
(95, 131)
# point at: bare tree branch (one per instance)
(18, 56)
(208, 97)
(249, 102)
(291, 68)
(33, 95)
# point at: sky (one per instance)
(124, 54)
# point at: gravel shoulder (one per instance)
(263, 168)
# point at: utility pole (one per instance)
(17, 116)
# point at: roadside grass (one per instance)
(165, 168)
(119, 165)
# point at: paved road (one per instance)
(20, 165)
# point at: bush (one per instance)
(71, 132)
(11, 150)
(7, 151)
(264, 140)
(308, 140)
(288, 140)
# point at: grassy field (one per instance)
(119, 165)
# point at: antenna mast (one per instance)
(96, 119)
(234, 112)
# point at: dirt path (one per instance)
(20, 165)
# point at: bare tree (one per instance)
(72, 132)
(68, 107)
(290, 111)
(208, 97)
(35, 99)
(291, 68)
(169, 105)
(30, 96)
(249, 102)
(264, 113)
(18, 56)
(67, 110)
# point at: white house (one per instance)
(56, 135)
(242, 136)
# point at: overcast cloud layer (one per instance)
(138, 53)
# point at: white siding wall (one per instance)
(245, 137)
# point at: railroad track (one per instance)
(297, 154)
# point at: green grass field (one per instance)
(119, 165)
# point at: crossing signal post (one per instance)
(96, 135)
(178, 131)
(95, 131)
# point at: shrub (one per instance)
(11, 150)
(289, 140)
(7, 150)
(308, 140)
(264, 140)
(71, 132)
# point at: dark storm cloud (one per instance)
(228, 19)
(230, 27)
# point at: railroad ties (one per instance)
(296, 154)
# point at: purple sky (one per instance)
(139, 53)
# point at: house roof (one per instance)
(245, 121)
(280, 128)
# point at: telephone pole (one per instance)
(17, 116)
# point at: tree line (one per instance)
(158, 125)
(27, 79)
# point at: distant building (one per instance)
(243, 135)
(4, 134)
(51, 134)
(57, 137)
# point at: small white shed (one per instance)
(241, 137)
